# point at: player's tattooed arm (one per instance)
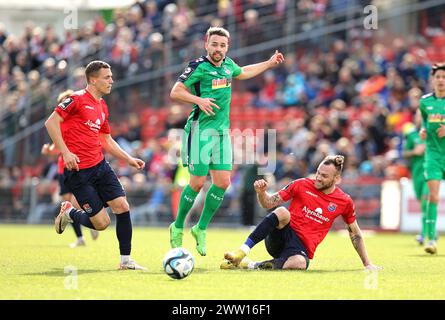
(269, 201)
(357, 241)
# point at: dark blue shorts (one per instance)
(285, 243)
(94, 187)
(63, 188)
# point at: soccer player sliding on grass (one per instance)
(292, 236)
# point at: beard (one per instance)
(324, 186)
(216, 56)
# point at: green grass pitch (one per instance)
(35, 263)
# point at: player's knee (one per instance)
(123, 206)
(283, 216)
(223, 184)
(296, 262)
(120, 206)
(197, 185)
(434, 198)
(102, 224)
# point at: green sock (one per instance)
(431, 220)
(214, 198)
(424, 208)
(188, 197)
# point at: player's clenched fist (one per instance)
(260, 185)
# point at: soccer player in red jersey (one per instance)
(64, 192)
(292, 236)
(79, 128)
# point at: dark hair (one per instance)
(336, 160)
(436, 67)
(93, 68)
(218, 31)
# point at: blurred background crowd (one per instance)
(343, 89)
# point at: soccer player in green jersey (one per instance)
(413, 151)
(432, 108)
(207, 83)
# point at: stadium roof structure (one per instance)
(63, 4)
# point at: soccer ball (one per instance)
(178, 263)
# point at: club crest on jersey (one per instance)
(332, 207)
(87, 208)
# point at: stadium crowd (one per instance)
(351, 98)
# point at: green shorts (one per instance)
(203, 153)
(419, 184)
(434, 170)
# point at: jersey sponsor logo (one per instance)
(221, 83)
(65, 103)
(94, 126)
(436, 118)
(332, 207)
(316, 215)
(312, 194)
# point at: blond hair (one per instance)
(63, 95)
(219, 31)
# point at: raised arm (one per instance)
(266, 200)
(359, 245)
(253, 70)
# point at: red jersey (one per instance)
(312, 212)
(60, 164)
(84, 118)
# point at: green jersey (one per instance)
(433, 115)
(415, 163)
(206, 80)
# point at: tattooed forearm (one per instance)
(359, 246)
(356, 241)
(268, 201)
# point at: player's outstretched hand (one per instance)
(260, 186)
(372, 267)
(137, 163)
(276, 59)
